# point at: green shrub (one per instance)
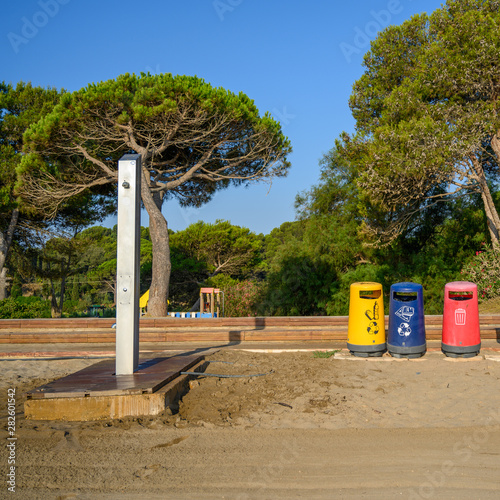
(243, 299)
(484, 270)
(24, 307)
(109, 312)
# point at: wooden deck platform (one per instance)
(96, 393)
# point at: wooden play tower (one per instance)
(210, 302)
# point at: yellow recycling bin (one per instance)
(366, 328)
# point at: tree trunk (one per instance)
(57, 307)
(63, 291)
(3, 283)
(54, 306)
(158, 230)
(6, 239)
(114, 290)
(492, 218)
(494, 231)
(495, 145)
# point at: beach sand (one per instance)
(306, 427)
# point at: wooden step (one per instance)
(99, 330)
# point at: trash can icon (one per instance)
(460, 315)
(406, 334)
(461, 331)
(366, 325)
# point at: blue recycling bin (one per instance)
(406, 335)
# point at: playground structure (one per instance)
(211, 305)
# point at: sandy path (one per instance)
(312, 429)
(261, 463)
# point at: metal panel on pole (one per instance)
(127, 265)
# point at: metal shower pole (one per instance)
(127, 264)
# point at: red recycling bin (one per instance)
(461, 332)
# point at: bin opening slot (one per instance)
(461, 295)
(369, 294)
(404, 296)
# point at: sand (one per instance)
(307, 428)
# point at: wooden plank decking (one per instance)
(96, 393)
(100, 379)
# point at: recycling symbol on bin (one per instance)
(404, 329)
(405, 313)
(372, 315)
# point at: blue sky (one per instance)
(296, 59)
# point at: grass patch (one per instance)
(324, 354)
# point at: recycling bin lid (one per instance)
(366, 285)
(406, 287)
(460, 286)
(366, 289)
